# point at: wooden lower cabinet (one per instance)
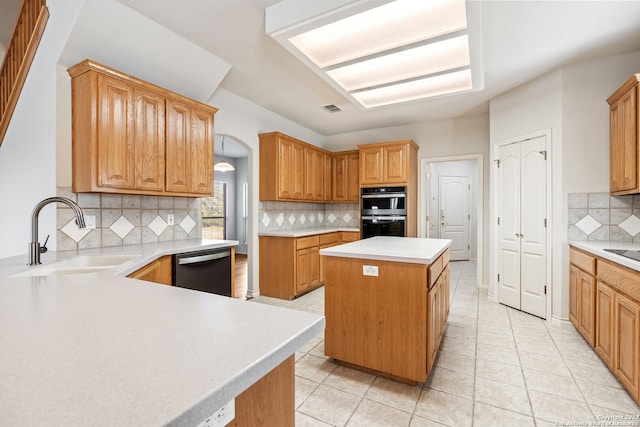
(270, 401)
(390, 324)
(627, 335)
(616, 305)
(605, 323)
(159, 271)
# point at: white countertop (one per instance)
(399, 249)
(598, 249)
(103, 349)
(302, 232)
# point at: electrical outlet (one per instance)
(90, 222)
(170, 219)
(221, 417)
(370, 270)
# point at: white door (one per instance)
(454, 214)
(522, 180)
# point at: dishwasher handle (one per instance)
(203, 258)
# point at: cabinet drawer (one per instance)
(330, 238)
(619, 278)
(307, 242)
(582, 260)
(445, 258)
(349, 236)
(434, 271)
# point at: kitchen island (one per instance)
(104, 349)
(386, 304)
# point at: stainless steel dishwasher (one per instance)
(206, 270)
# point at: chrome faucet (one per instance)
(34, 247)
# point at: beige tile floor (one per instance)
(496, 367)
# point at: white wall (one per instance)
(28, 153)
(456, 168)
(241, 222)
(455, 137)
(572, 103)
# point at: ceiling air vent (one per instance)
(332, 108)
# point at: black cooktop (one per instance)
(635, 255)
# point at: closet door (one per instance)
(522, 183)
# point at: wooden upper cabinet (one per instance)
(149, 138)
(346, 178)
(388, 163)
(115, 139)
(189, 148)
(327, 177)
(132, 137)
(291, 169)
(624, 138)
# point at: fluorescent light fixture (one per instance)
(392, 25)
(406, 64)
(380, 52)
(417, 89)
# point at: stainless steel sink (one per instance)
(629, 253)
(78, 265)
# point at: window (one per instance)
(214, 213)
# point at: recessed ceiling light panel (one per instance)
(405, 64)
(417, 89)
(392, 25)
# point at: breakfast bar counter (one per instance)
(386, 304)
(104, 349)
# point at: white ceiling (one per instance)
(521, 41)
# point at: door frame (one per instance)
(493, 214)
(423, 207)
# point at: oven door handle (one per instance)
(385, 218)
(383, 196)
(203, 258)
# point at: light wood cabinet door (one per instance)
(313, 175)
(624, 118)
(627, 330)
(353, 177)
(371, 168)
(605, 322)
(158, 271)
(395, 164)
(298, 176)
(327, 177)
(433, 324)
(116, 147)
(189, 149)
(285, 168)
(149, 140)
(201, 152)
(340, 178)
(586, 307)
(574, 276)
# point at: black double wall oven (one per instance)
(383, 211)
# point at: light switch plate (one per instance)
(370, 270)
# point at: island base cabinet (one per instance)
(627, 334)
(270, 401)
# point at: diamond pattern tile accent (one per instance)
(158, 225)
(121, 227)
(187, 224)
(312, 219)
(292, 219)
(280, 219)
(265, 220)
(332, 218)
(71, 229)
(303, 219)
(347, 217)
(588, 225)
(631, 225)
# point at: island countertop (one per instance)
(398, 249)
(103, 349)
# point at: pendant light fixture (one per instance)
(223, 166)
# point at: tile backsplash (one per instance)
(126, 220)
(278, 216)
(599, 216)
